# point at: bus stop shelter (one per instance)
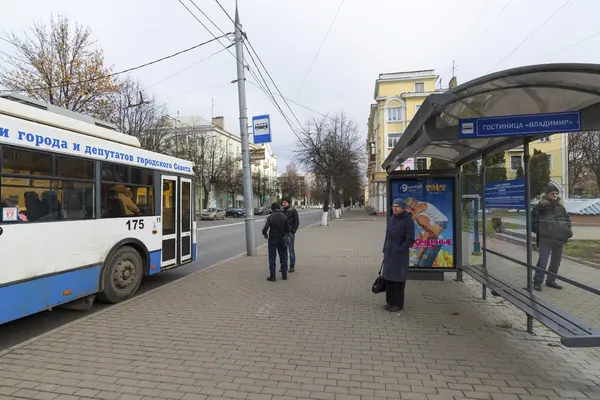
(486, 116)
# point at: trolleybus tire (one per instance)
(122, 275)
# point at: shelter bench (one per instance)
(572, 331)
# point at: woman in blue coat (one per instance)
(399, 237)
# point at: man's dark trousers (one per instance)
(277, 246)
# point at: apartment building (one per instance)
(398, 97)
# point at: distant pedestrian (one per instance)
(552, 227)
(292, 216)
(399, 237)
(275, 231)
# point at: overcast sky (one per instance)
(369, 37)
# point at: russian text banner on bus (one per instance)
(429, 201)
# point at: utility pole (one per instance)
(241, 81)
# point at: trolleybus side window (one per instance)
(40, 187)
(126, 191)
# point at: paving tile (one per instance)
(321, 335)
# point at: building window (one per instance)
(516, 162)
(421, 163)
(546, 139)
(417, 106)
(395, 114)
(419, 87)
(393, 139)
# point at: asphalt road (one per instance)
(217, 240)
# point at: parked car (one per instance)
(235, 212)
(262, 211)
(212, 213)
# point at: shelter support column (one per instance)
(484, 236)
(458, 194)
(526, 160)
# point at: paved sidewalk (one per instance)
(228, 333)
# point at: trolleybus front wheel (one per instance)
(122, 276)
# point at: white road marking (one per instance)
(241, 223)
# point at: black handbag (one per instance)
(379, 284)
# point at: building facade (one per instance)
(193, 130)
(556, 147)
(398, 97)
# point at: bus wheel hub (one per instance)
(124, 274)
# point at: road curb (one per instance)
(128, 301)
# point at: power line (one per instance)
(274, 84)
(487, 28)
(266, 89)
(595, 35)
(485, 6)
(188, 67)
(299, 105)
(225, 11)
(119, 72)
(529, 36)
(320, 47)
(206, 16)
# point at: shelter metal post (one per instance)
(484, 236)
(526, 160)
(458, 193)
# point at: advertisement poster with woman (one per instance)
(429, 201)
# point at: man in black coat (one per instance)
(275, 231)
(552, 227)
(399, 237)
(292, 216)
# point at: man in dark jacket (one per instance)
(552, 226)
(276, 229)
(292, 216)
(399, 237)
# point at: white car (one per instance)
(212, 213)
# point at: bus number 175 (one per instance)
(135, 224)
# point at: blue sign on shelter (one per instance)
(506, 194)
(515, 125)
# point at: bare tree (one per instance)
(231, 181)
(331, 149)
(577, 160)
(591, 153)
(262, 186)
(137, 115)
(291, 182)
(60, 65)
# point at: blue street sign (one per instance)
(261, 127)
(515, 125)
(506, 194)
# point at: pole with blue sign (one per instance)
(261, 127)
(519, 125)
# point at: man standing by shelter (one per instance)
(552, 227)
(292, 216)
(275, 231)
